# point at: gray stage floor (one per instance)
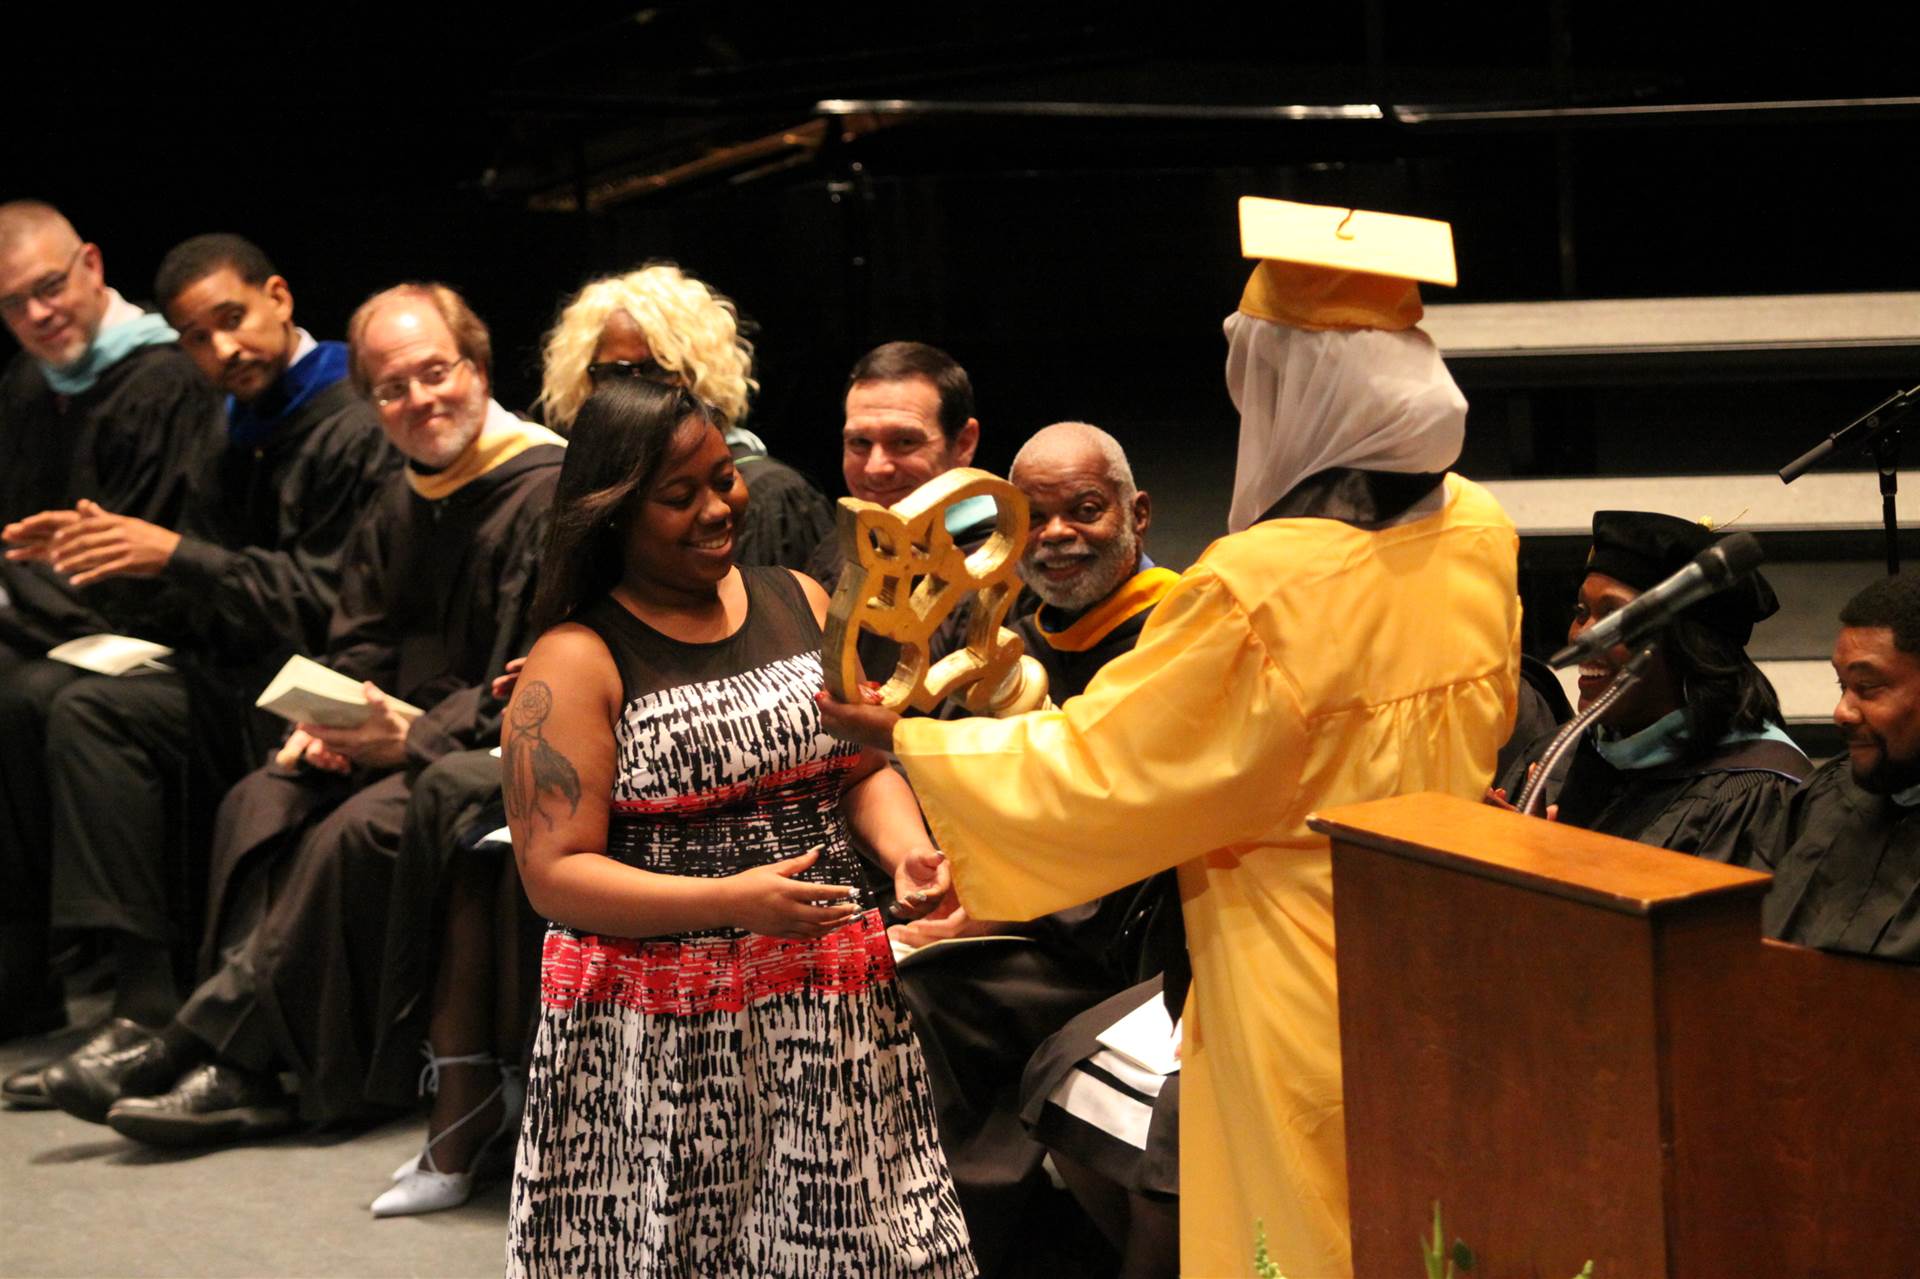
(78, 1200)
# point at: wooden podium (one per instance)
(1583, 1048)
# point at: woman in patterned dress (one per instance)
(724, 1080)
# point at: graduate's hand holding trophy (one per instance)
(864, 723)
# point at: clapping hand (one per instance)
(99, 545)
(1497, 796)
(32, 538)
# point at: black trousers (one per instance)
(296, 931)
(979, 1010)
(28, 685)
(119, 770)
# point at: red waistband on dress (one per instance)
(686, 978)
(771, 786)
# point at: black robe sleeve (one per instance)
(469, 719)
(242, 599)
(361, 643)
(1847, 874)
(132, 443)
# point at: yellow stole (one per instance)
(502, 438)
(1138, 594)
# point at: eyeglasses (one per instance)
(431, 378)
(646, 370)
(48, 291)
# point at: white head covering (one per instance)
(1311, 400)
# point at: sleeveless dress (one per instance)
(724, 1103)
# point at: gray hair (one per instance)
(1114, 458)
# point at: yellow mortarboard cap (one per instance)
(1327, 267)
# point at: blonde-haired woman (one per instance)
(663, 325)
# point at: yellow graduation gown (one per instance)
(1298, 665)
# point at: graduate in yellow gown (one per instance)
(1354, 637)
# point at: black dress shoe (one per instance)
(26, 1089)
(213, 1103)
(123, 1059)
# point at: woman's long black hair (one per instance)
(619, 441)
(1723, 690)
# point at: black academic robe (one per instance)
(786, 516)
(1722, 807)
(130, 442)
(254, 579)
(434, 599)
(266, 529)
(257, 572)
(1846, 870)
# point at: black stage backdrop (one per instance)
(1054, 204)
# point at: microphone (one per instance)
(1714, 569)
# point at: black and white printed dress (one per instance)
(723, 1103)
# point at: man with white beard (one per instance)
(981, 1011)
(1084, 555)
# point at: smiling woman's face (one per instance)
(681, 533)
(1654, 696)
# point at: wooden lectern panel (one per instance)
(1582, 1048)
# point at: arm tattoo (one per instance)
(534, 773)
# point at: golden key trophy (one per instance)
(904, 576)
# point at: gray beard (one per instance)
(1101, 577)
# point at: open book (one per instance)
(308, 693)
(110, 654)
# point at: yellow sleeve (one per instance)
(1191, 742)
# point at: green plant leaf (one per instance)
(1433, 1252)
(1462, 1255)
(1263, 1267)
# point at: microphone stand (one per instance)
(1879, 426)
(1535, 790)
(1886, 454)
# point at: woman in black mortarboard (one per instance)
(1693, 758)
